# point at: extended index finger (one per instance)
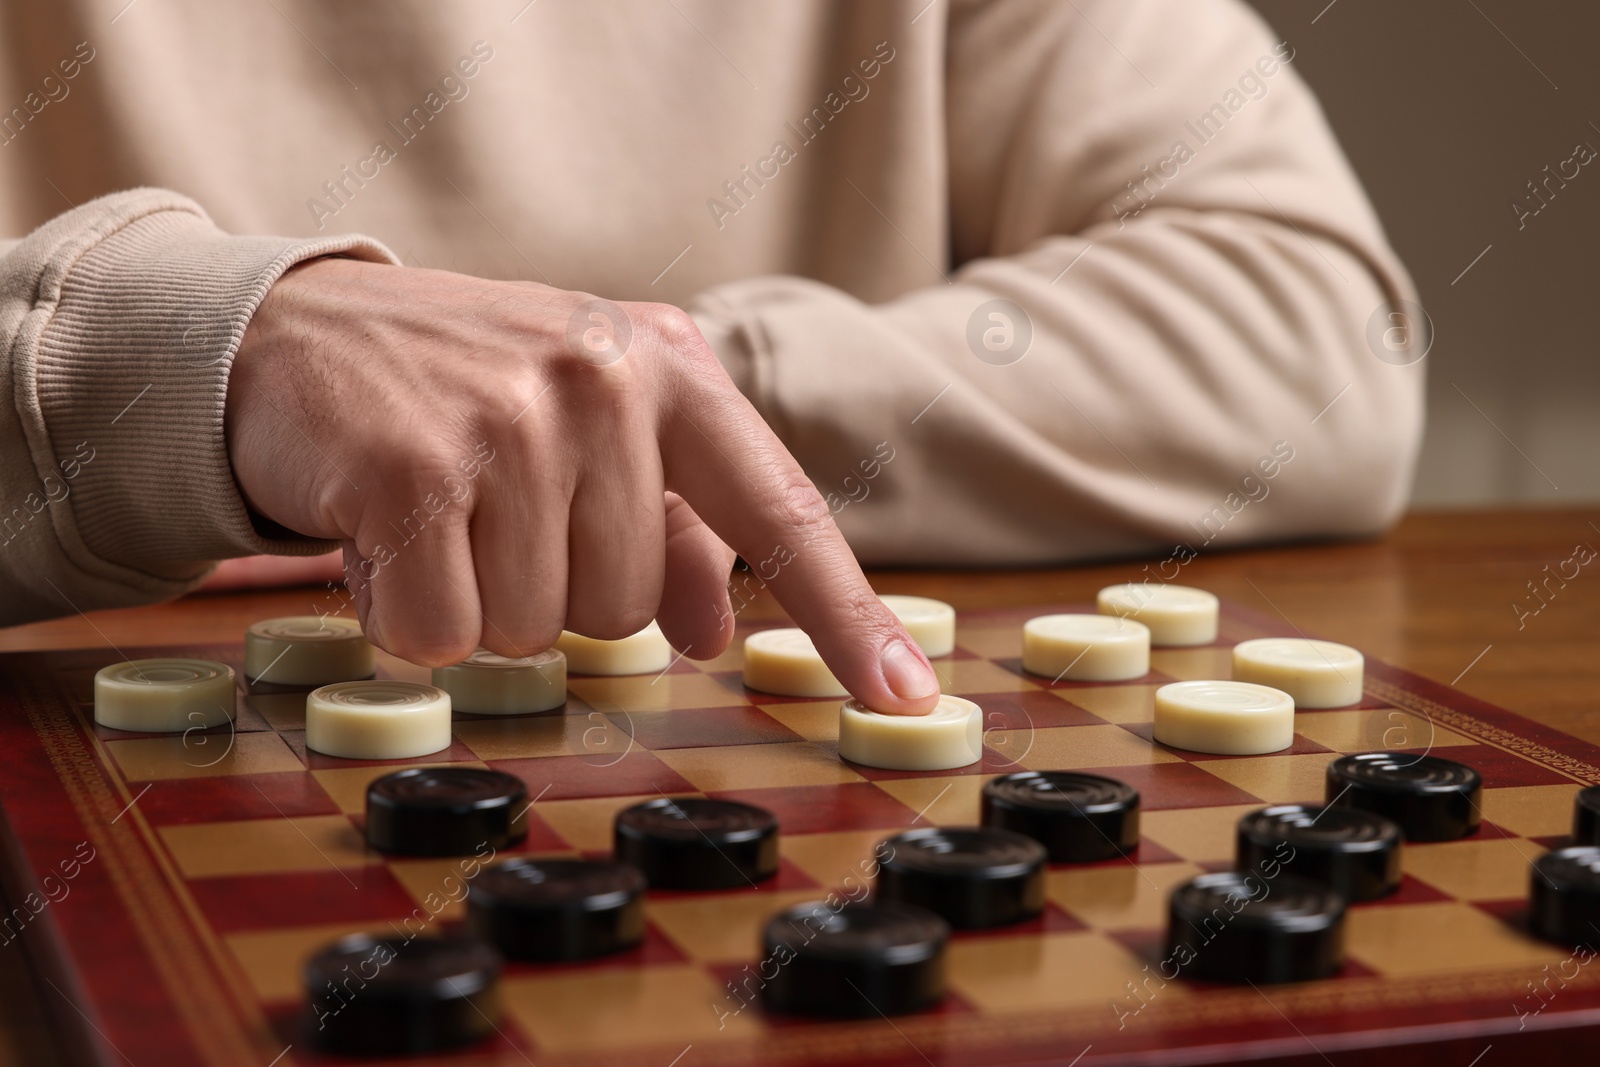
(721, 457)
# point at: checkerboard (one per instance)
(222, 859)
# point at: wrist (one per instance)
(263, 413)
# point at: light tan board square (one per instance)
(952, 801)
(994, 642)
(348, 785)
(732, 659)
(814, 720)
(1071, 747)
(1481, 868)
(960, 676)
(1276, 779)
(832, 858)
(274, 960)
(639, 693)
(267, 846)
(1116, 703)
(727, 928)
(530, 736)
(586, 824)
(615, 1008)
(1374, 729)
(1118, 896)
(1194, 664)
(758, 766)
(439, 879)
(1531, 810)
(1202, 835)
(1025, 974)
(1007, 747)
(1450, 937)
(147, 758)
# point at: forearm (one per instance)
(119, 321)
(1194, 297)
(1162, 366)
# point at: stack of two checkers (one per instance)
(408, 994)
(349, 712)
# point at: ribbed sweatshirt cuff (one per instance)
(121, 380)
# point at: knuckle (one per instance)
(419, 494)
(401, 457)
(504, 401)
(603, 401)
(863, 604)
(795, 502)
(596, 331)
(674, 327)
(577, 371)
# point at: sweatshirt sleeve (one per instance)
(119, 321)
(1195, 295)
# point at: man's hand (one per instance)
(502, 460)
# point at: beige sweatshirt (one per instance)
(1188, 274)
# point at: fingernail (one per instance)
(908, 674)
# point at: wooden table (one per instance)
(1447, 594)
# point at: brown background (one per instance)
(1446, 120)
